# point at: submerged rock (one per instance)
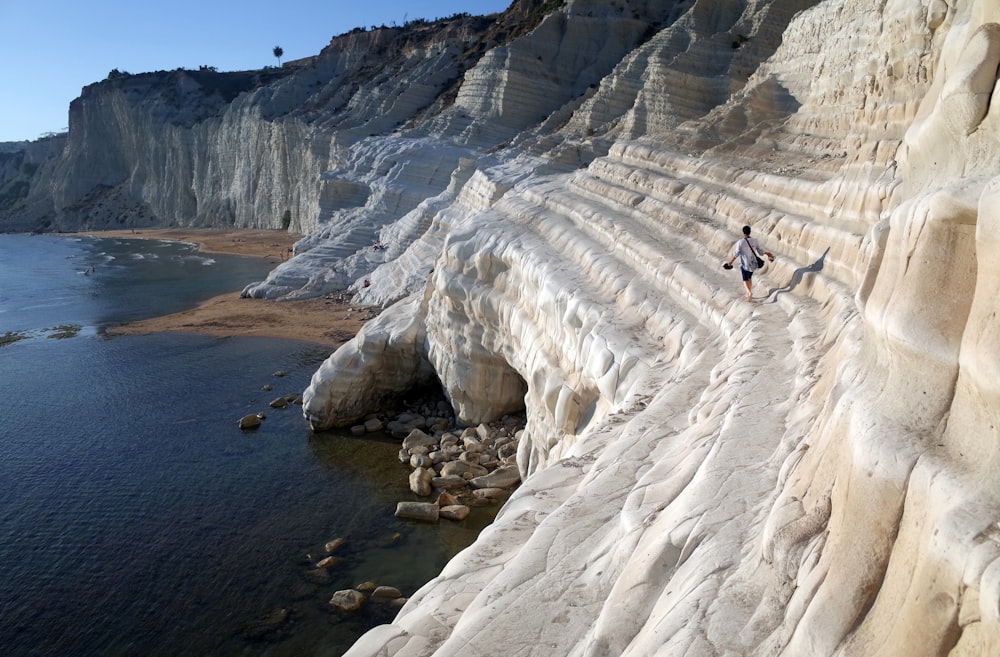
(348, 600)
(329, 562)
(334, 545)
(251, 421)
(266, 626)
(386, 593)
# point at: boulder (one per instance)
(420, 481)
(422, 511)
(506, 476)
(329, 562)
(461, 468)
(373, 425)
(454, 512)
(397, 429)
(507, 450)
(417, 438)
(386, 593)
(251, 421)
(449, 482)
(348, 600)
(421, 461)
(334, 545)
(280, 402)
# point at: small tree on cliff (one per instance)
(278, 52)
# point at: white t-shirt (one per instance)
(742, 250)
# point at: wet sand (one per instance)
(326, 321)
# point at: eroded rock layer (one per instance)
(542, 208)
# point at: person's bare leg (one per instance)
(749, 286)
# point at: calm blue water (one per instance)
(135, 517)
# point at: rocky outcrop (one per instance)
(804, 475)
(809, 474)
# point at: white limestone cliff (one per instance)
(808, 475)
(811, 474)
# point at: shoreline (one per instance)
(327, 321)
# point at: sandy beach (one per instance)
(322, 320)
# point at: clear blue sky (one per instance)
(51, 49)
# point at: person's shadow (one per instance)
(797, 277)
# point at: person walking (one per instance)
(748, 251)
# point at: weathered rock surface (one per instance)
(422, 511)
(251, 421)
(348, 600)
(812, 474)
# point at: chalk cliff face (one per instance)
(813, 473)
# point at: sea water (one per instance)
(136, 518)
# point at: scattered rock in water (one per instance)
(386, 593)
(456, 464)
(317, 575)
(454, 512)
(268, 626)
(267, 387)
(348, 600)
(366, 587)
(334, 545)
(303, 591)
(329, 562)
(420, 481)
(280, 373)
(422, 511)
(251, 421)
(374, 424)
(280, 402)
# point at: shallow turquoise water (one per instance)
(135, 517)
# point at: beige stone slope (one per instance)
(813, 474)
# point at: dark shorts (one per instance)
(747, 275)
